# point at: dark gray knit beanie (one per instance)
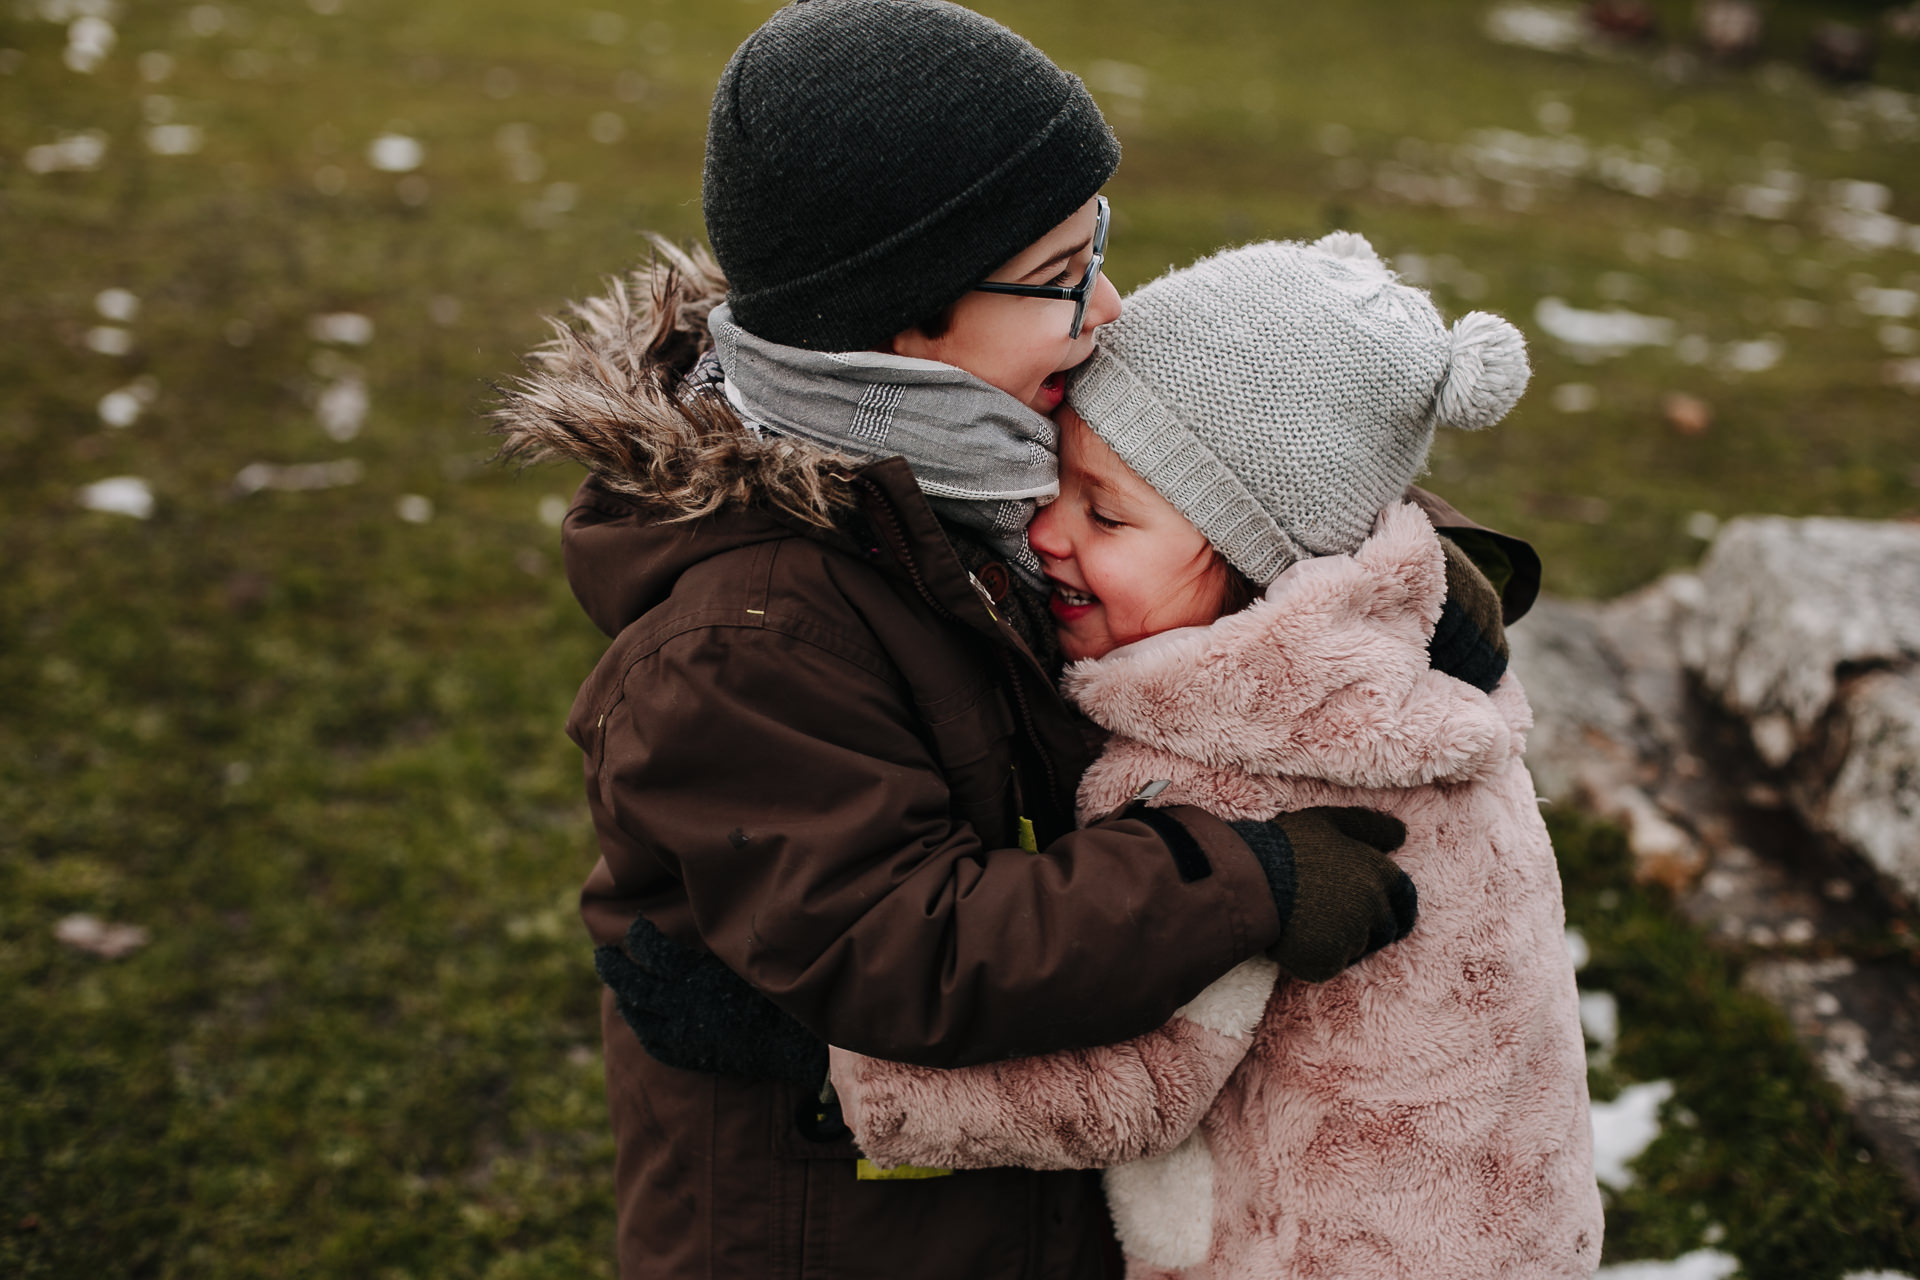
(869, 161)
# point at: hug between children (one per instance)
(1051, 704)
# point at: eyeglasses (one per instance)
(1076, 294)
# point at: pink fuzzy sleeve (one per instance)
(1079, 1109)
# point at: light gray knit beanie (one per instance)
(1282, 394)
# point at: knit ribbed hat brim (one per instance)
(1149, 436)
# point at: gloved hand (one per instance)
(691, 1011)
(1340, 897)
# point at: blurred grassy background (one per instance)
(309, 740)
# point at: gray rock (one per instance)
(1809, 630)
(1608, 691)
(1873, 804)
(1784, 605)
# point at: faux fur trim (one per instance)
(1327, 677)
(1232, 1005)
(608, 391)
(1163, 1206)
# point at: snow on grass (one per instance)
(96, 937)
(1702, 1264)
(117, 305)
(1600, 1018)
(1624, 1128)
(119, 495)
(89, 40)
(1549, 28)
(70, 153)
(300, 477)
(396, 153)
(414, 508)
(175, 139)
(1596, 335)
(122, 408)
(342, 407)
(345, 328)
(110, 340)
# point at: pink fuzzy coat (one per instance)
(1422, 1116)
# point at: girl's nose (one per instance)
(1044, 533)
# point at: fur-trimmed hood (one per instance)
(1326, 677)
(609, 391)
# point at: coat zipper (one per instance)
(903, 553)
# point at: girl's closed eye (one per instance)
(1104, 520)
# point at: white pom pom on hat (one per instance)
(1281, 394)
(1488, 372)
(1347, 244)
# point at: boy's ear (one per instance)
(911, 342)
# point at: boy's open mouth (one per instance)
(1076, 599)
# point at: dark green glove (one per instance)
(1340, 897)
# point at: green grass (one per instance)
(315, 749)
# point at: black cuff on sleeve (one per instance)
(1188, 857)
(1270, 844)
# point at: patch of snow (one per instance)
(110, 340)
(1894, 304)
(1599, 334)
(553, 510)
(96, 937)
(1624, 1128)
(119, 495)
(1756, 355)
(349, 328)
(118, 305)
(1550, 28)
(396, 153)
(70, 153)
(1600, 1018)
(1701, 1264)
(122, 408)
(1577, 950)
(342, 407)
(89, 40)
(414, 508)
(175, 139)
(301, 477)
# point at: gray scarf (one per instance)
(983, 459)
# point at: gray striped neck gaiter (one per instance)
(984, 460)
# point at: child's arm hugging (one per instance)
(1078, 1109)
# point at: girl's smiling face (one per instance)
(1124, 563)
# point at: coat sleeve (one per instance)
(787, 787)
(1078, 1109)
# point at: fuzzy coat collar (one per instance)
(1326, 677)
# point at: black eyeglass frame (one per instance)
(1076, 294)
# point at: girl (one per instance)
(1244, 432)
